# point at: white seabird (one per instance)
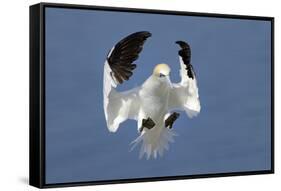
(151, 104)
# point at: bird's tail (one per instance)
(154, 141)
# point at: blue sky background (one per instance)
(232, 61)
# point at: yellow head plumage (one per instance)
(163, 69)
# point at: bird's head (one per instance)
(161, 71)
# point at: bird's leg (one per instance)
(147, 123)
(171, 119)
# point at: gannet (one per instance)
(154, 103)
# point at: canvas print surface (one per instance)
(134, 95)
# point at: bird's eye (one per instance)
(161, 75)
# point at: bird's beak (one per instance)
(167, 79)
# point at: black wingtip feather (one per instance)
(182, 44)
(146, 34)
(185, 54)
(125, 52)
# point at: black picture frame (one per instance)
(37, 94)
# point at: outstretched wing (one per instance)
(119, 66)
(184, 95)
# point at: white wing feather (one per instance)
(184, 95)
(118, 67)
(118, 106)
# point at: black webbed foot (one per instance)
(171, 119)
(147, 123)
